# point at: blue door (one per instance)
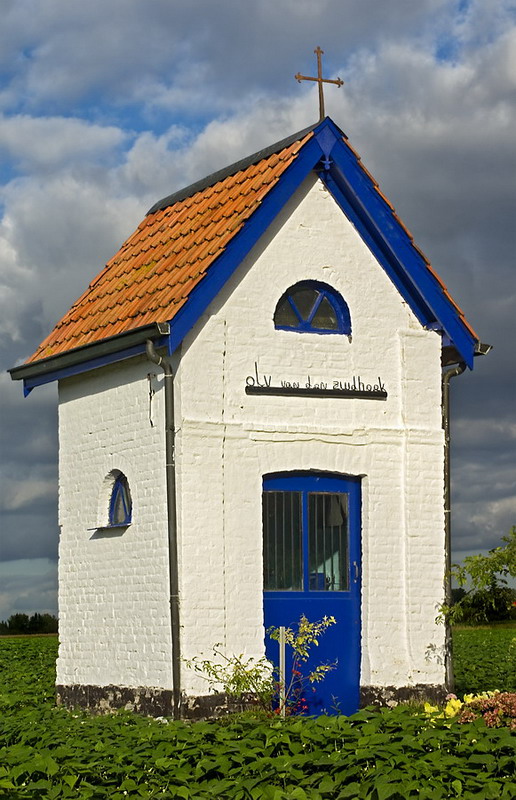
(311, 551)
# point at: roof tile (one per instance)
(160, 264)
(163, 260)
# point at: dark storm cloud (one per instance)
(28, 592)
(32, 532)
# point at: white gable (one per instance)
(228, 440)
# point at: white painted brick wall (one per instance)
(114, 591)
(229, 440)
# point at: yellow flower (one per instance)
(452, 707)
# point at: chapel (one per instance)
(251, 429)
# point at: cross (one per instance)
(320, 80)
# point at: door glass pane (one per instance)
(328, 537)
(282, 541)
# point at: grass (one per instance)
(50, 753)
(485, 657)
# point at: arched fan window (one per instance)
(120, 505)
(312, 307)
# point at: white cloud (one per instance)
(55, 236)
(49, 143)
(483, 21)
(59, 52)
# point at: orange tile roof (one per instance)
(156, 269)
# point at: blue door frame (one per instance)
(302, 584)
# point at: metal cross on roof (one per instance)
(320, 80)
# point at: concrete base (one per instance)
(159, 702)
(149, 701)
(393, 695)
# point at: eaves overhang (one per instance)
(90, 356)
(450, 355)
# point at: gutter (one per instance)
(456, 370)
(481, 349)
(95, 350)
(172, 523)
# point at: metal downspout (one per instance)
(172, 523)
(458, 369)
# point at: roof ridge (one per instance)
(225, 172)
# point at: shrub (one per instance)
(496, 709)
(257, 680)
(488, 597)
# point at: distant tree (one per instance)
(457, 594)
(18, 623)
(483, 579)
(486, 605)
(22, 624)
(49, 623)
(35, 622)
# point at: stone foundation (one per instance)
(393, 695)
(159, 702)
(149, 701)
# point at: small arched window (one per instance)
(120, 505)
(312, 307)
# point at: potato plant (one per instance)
(400, 753)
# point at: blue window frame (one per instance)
(306, 532)
(312, 307)
(120, 505)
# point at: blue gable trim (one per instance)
(366, 231)
(222, 269)
(356, 194)
(406, 269)
(391, 244)
(353, 190)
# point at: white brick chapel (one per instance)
(250, 428)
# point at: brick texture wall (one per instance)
(114, 589)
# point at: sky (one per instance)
(105, 107)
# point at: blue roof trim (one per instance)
(357, 196)
(413, 298)
(238, 248)
(354, 191)
(327, 138)
(93, 363)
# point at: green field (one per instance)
(485, 658)
(47, 752)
